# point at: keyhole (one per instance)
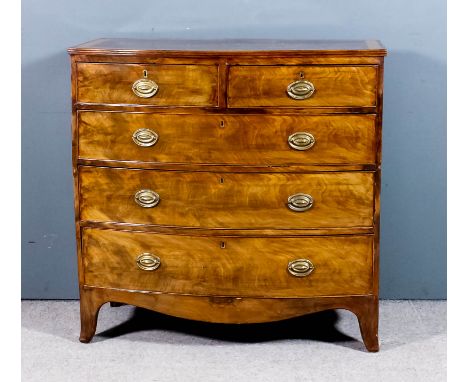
(301, 75)
(221, 180)
(222, 245)
(221, 124)
(145, 73)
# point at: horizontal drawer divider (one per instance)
(232, 168)
(240, 297)
(322, 110)
(252, 232)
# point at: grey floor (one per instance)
(134, 344)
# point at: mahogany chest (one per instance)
(228, 181)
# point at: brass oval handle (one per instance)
(148, 261)
(145, 88)
(301, 141)
(300, 267)
(300, 202)
(146, 198)
(145, 137)
(301, 89)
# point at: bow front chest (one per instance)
(228, 181)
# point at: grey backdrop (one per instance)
(413, 244)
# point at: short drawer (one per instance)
(224, 139)
(137, 84)
(302, 86)
(227, 200)
(231, 266)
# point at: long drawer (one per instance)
(302, 86)
(226, 139)
(227, 200)
(145, 84)
(273, 267)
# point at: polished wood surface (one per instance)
(228, 266)
(265, 86)
(233, 310)
(225, 61)
(227, 200)
(220, 168)
(214, 232)
(227, 139)
(180, 47)
(180, 85)
(224, 171)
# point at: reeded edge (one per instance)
(374, 48)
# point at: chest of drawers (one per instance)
(228, 181)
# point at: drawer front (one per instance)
(228, 266)
(309, 86)
(164, 85)
(227, 200)
(224, 139)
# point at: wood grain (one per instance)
(242, 82)
(214, 232)
(227, 200)
(244, 267)
(182, 85)
(335, 86)
(232, 310)
(227, 60)
(227, 139)
(323, 110)
(220, 168)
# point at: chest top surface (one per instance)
(230, 46)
